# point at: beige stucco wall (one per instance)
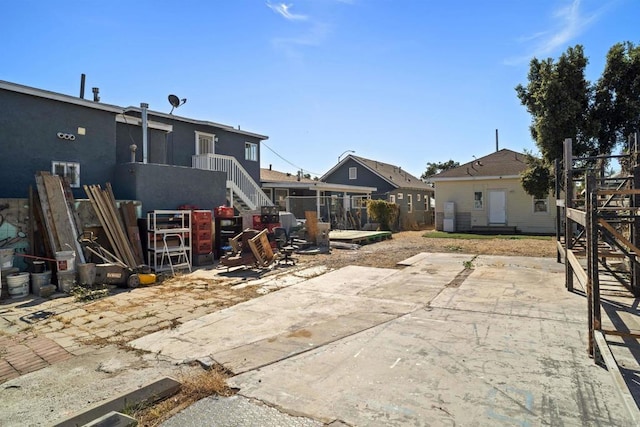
(519, 205)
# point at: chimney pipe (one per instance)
(82, 79)
(145, 148)
(497, 149)
(269, 166)
(96, 94)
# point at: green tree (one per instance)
(617, 97)
(436, 168)
(558, 97)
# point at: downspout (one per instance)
(145, 148)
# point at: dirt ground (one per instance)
(405, 244)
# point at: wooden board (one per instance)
(358, 236)
(311, 225)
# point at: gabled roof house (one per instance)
(393, 184)
(486, 195)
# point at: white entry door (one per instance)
(497, 207)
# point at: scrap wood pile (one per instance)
(61, 229)
(120, 226)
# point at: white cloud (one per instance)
(283, 9)
(569, 22)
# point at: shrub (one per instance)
(383, 212)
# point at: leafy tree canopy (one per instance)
(436, 168)
(564, 104)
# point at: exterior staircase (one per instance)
(244, 193)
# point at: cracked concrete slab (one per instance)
(498, 350)
(290, 321)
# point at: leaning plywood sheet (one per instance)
(58, 218)
(46, 215)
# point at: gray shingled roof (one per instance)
(269, 175)
(394, 174)
(501, 163)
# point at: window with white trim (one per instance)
(70, 171)
(353, 173)
(251, 151)
(418, 197)
(409, 202)
(540, 206)
(392, 198)
(400, 196)
(205, 143)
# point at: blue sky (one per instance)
(401, 81)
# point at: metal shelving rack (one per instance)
(169, 240)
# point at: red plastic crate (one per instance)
(223, 212)
(202, 248)
(201, 215)
(202, 236)
(201, 226)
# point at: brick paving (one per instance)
(23, 353)
(38, 332)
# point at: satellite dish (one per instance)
(176, 102)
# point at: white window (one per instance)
(400, 196)
(205, 143)
(540, 206)
(392, 198)
(353, 173)
(409, 202)
(418, 197)
(70, 171)
(426, 202)
(477, 200)
(251, 151)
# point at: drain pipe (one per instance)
(145, 148)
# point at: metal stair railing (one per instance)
(238, 180)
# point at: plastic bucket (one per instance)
(66, 281)
(66, 260)
(38, 266)
(87, 273)
(18, 284)
(38, 280)
(6, 258)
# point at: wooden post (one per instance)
(635, 233)
(558, 174)
(568, 203)
(593, 284)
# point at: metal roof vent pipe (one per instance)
(96, 94)
(143, 114)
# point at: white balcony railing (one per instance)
(238, 180)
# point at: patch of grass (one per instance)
(82, 294)
(469, 236)
(194, 387)
(468, 265)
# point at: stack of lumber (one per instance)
(58, 215)
(119, 231)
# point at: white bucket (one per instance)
(66, 260)
(18, 284)
(66, 281)
(38, 280)
(6, 258)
